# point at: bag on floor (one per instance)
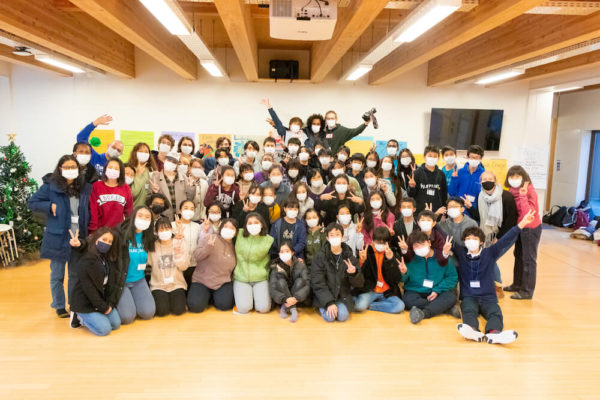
(555, 216)
(581, 219)
(582, 234)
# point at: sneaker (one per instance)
(75, 320)
(499, 291)
(468, 332)
(62, 313)
(504, 337)
(416, 315)
(511, 288)
(521, 296)
(454, 311)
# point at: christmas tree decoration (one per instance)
(17, 187)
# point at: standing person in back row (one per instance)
(337, 135)
(427, 184)
(114, 149)
(466, 182)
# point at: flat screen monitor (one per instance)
(461, 128)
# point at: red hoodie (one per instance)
(109, 205)
(525, 203)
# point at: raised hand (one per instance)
(355, 198)
(455, 171)
(206, 225)
(402, 243)
(246, 202)
(212, 240)
(447, 245)
(179, 228)
(359, 225)
(527, 219)
(468, 203)
(74, 242)
(103, 120)
(389, 254)
(429, 206)
(266, 103)
(53, 207)
(362, 254)
(523, 190)
(350, 268)
(218, 180)
(411, 181)
(441, 211)
(154, 187)
(327, 196)
(270, 122)
(402, 265)
(383, 187)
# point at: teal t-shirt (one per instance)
(137, 259)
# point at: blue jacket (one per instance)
(98, 160)
(55, 244)
(466, 183)
(298, 243)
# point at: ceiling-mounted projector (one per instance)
(302, 19)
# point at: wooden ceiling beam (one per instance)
(523, 38)
(76, 35)
(6, 54)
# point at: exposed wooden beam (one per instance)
(236, 17)
(352, 22)
(453, 32)
(134, 22)
(29, 61)
(525, 37)
(76, 35)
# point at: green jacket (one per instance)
(139, 189)
(338, 136)
(252, 254)
(444, 278)
(314, 243)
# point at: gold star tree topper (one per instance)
(11, 137)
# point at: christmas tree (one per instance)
(15, 189)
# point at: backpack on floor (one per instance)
(569, 218)
(555, 216)
(581, 219)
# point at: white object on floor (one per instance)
(469, 333)
(504, 337)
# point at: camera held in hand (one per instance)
(370, 115)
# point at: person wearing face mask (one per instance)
(291, 151)
(405, 223)
(175, 189)
(339, 168)
(353, 236)
(294, 129)
(382, 276)
(269, 201)
(169, 260)
(91, 304)
(200, 184)
(157, 203)
(376, 214)
(222, 161)
(372, 183)
(129, 175)
(526, 247)
(426, 222)
(391, 150)
(449, 155)
(189, 230)
(357, 168)
(295, 173)
(245, 179)
(330, 203)
(276, 181)
(465, 182)
(336, 135)
(270, 148)
(251, 273)
(300, 193)
(144, 165)
(252, 202)
(457, 222)
(186, 146)
(223, 143)
(289, 228)
(304, 159)
(224, 190)
(428, 286)
(289, 283)
(343, 154)
(372, 160)
(314, 129)
(476, 265)
(334, 272)
(214, 217)
(427, 184)
(266, 163)
(110, 200)
(166, 143)
(63, 200)
(215, 261)
(316, 185)
(136, 240)
(83, 153)
(250, 156)
(315, 235)
(406, 167)
(387, 174)
(325, 164)
(114, 149)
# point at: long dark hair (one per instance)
(113, 253)
(121, 178)
(72, 189)
(517, 170)
(383, 210)
(127, 229)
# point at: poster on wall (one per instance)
(131, 138)
(178, 135)
(360, 144)
(210, 139)
(106, 136)
(239, 141)
(535, 162)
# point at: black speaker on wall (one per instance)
(283, 69)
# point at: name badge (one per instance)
(427, 283)
(105, 280)
(141, 267)
(470, 198)
(430, 192)
(169, 279)
(329, 136)
(75, 219)
(475, 284)
(146, 186)
(379, 284)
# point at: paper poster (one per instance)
(210, 139)
(106, 136)
(131, 138)
(381, 147)
(535, 162)
(178, 135)
(360, 144)
(240, 140)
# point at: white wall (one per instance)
(50, 110)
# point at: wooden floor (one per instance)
(220, 355)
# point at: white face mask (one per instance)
(386, 166)
(449, 160)
(406, 212)
(337, 172)
(276, 179)
(335, 241)
(223, 161)
(228, 180)
(356, 167)
(391, 151)
(312, 222)
(316, 128)
(285, 257)
(253, 229)
(375, 204)
(182, 169)
(266, 165)
(187, 214)
(318, 150)
(269, 150)
(113, 153)
(293, 173)
(248, 176)
(379, 247)
(431, 161)
(291, 214)
(453, 212)
(303, 156)
(227, 233)
(371, 163)
(317, 183)
(214, 217)
(165, 235)
(405, 161)
(515, 182)
(474, 163)
(250, 154)
(341, 188)
(187, 149)
(342, 157)
(331, 123)
(472, 245)
(197, 172)
(268, 200)
(164, 148)
(422, 251)
(254, 199)
(169, 166)
(344, 219)
(128, 180)
(371, 182)
(142, 224)
(142, 156)
(83, 159)
(295, 128)
(70, 173)
(112, 173)
(293, 148)
(301, 196)
(324, 161)
(425, 226)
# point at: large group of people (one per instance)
(296, 221)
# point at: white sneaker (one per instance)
(469, 333)
(504, 337)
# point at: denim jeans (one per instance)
(342, 315)
(57, 278)
(101, 324)
(378, 302)
(136, 300)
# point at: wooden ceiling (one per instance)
(484, 36)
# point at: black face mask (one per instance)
(157, 208)
(488, 185)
